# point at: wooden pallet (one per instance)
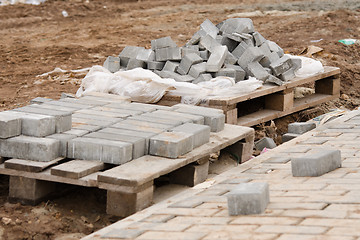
(275, 101)
(129, 186)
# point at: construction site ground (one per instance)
(37, 39)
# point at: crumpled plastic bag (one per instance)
(309, 67)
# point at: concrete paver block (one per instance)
(300, 127)
(10, 125)
(209, 28)
(280, 66)
(226, 72)
(216, 59)
(153, 65)
(202, 78)
(170, 53)
(196, 37)
(229, 43)
(209, 43)
(146, 55)
(248, 198)
(187, 50)
(265, 142)
(112, 64)
(108, 151)
(204, 54)
(230, 59)
(239, 72)
(316, 163)
(171, 144)
(251, 54)
(288, 75)
(171, 66)
(135, 63)
(201, 133)
(37, 125)
(164, 42)
(238, 25)
(30, 148)
(289, 136)
(197, 69)
(275, 80)
(127, 53)
(40, 100)
(180, 116)
(240, 49)
(153, 118)
(259, 39)
(255, 69)
(187, 62)
(63, 139)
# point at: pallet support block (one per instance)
(330, 86)
(28, 190)
(190, 175)
(280, 101)
(243, 149)
(231, 116)
(124, 204)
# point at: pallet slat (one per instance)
(77, 168)
(28, 165)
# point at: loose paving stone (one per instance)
(30, 148)
(300, 127)
(265, 142)
(112, 64)
(10, 125)
(115, 152)
(289, 136)
(171, 144)
(248, 198)
(316, 163)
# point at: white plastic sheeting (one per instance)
(11, 2)
(143, 85)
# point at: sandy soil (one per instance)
(36, 39)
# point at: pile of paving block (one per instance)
(108, 129)
(231, 48)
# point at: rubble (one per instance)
(231, 48)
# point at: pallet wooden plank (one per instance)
(299, 104)
(30, 166)
(147, 168)
(77, 168)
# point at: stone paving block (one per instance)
(316, 163)
(209, 28)
(114, 152)
(127, 108)
(139, 146)
(288, 75)
(281, 66)
(112, 64)
(300, 127)
(259, 39)
(138, 128)
(196, 37)
(230, 59)
(184, 78)
(238, 25)
(240, 49)
(171, 66)
(10, 125)
(40, 100)
(164, 42)
(197, 69)
(77, 132)
(239, 72)
(251, 54)
(135, 63)
(101, 113)
(297, 63)
(277, 160)
(265, 142)
(187, 61)
(152, 118)
(212, 117)
(63, 139)
(145, 125)
(226, 72)
(183, 116)
(146, 55)
(127, 53)
(204, 54)
(255, 69)
(62, 119)
(248, 198)
(202, 78)
(30, 148)
(209, 43)
(171, 144)
(171, 53)
(289, 136)
(274, 80)
(87, 127)
(123, 233)
(201, 133)
(187, 50)
(51, 107)
(94, 120)
(91, 101)
(37, 125)
(150, 106)
(216, 59)
(153, 65)
(158, 218)
(229, 43)
(69, 105)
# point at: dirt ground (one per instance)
(36, 39)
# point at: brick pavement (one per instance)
(300, 208)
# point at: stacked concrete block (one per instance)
(201, 133)
(171, 144)
(37, 125)
(214, 118)
(108, 151)
(40, 100)
(112, 64)
(30, 148)
(129, 52)
(248, 198)
(316, 163)
(63, 139)
(10, 125)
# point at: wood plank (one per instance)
(299, 104)
(147, 168)
(46, 176)
(30, 166)
(77, 168)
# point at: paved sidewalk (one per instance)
(300, 208)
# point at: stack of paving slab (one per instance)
(231, 48)
(104, 128)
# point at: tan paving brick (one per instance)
(291, 229)
(170, 235)
(314, 213)
(201, 220)
(266, 220)
(285, 199)
(212, 206)
(344, 231)
(237, 236)
(228, 228)
(329, 222)
(157, 218)
(311, 237)
(310, 193)
(297, 187)
(188, 211)
(296, 205)
(343, 207)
